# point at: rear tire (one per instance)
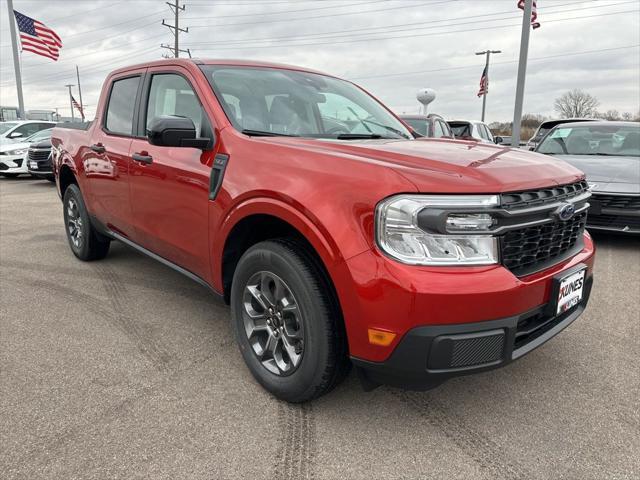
(287, 321)
(85, 242)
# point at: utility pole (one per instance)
(175, 29)
(69, 85)
(486, 69)
(16, 59)
(80, 94)
(522, 72)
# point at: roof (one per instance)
(209, 61)
(465, 121)
(602, 123)
(558, 121)
(420, 117)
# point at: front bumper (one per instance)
(613, 212)
(429, 355)
(12, 164)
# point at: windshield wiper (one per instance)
(359, 136)
(262, 133)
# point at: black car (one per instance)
(39, 160)
(609, 154)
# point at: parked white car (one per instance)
(13, 155)
(20, 130)
(472, 130)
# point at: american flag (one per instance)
(78, 106)
(534, 13)
(484, 83)
(36, 37)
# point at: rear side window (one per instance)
(438, 131)
(122, 101)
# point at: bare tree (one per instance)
(608, 115)
(627, 116)
(575, 104)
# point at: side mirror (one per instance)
(174, 131)
(15, 135)
(498, 140)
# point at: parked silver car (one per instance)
(473, 130)
(609, 154)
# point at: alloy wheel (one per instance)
(74, 223)
(273, 323)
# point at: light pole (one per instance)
(486, 70)
(69, 85)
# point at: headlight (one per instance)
(20, 151)
(399, 235)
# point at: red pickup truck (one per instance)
(337, 237)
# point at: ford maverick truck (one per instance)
(337, 238)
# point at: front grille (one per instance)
(524, 250)
(617, 201)
(618, 222)
(39, 154)
(534, 198)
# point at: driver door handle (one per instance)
(142, 157)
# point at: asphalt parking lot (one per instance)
(124, 369)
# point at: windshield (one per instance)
(6, 126)
(41, 135)
(592, 139)
(274, 101)
(462, 129)
(418, 124)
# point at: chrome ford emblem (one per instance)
(565, 211)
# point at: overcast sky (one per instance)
(391, 47)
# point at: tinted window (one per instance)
(121, 103)
(171, 94)
(305, 104)
(418, 125)
(599, 139)
(461, 129)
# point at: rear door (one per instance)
(106, 159)
(170, 186)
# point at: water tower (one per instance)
(425, 96)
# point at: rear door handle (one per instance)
(98, 148)
(139, 157)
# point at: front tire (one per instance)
(85, 242)
(287, 321)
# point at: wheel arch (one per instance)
(262, 219)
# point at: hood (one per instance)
(10, 145)
(455, 164)
(43, 144)
(616, 174)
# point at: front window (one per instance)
(6, 126)
(593, 140)
(274, 101)
(419, 125)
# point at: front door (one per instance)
(170, 186)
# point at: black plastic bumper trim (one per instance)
(411, 364)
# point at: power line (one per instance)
(255, 47)
(448, 69)
(388, 28)
(312, 17)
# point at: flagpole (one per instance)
(486, 69)
(69, 85)
(16, 60)
(80, 94)
(522, 73)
